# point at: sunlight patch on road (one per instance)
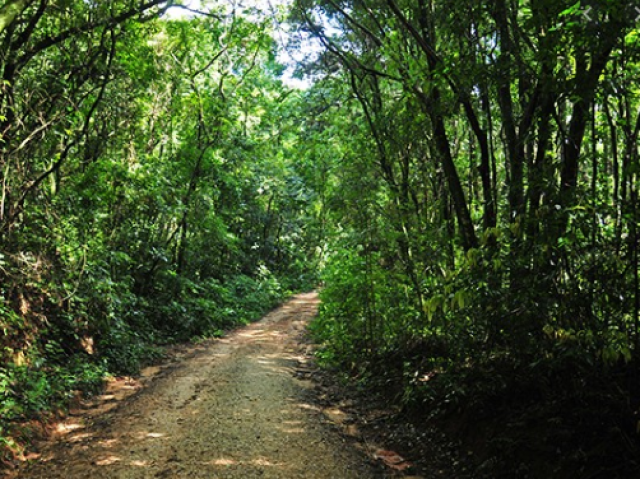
(66, 428)
(141, 435)
(222, 462)
(108, 443)
(260, 461)
(293, 430)
(80, 437)
(108, 461)
(309, 407)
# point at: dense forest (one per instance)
(153, 189)
(460, 177)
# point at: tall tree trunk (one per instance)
(515, 146)
(587, 79)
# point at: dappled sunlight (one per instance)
(265, 362)
(107, 443)
(222, 462)
(298, 430)
(292, 423)
(108, 461)
(279, 369)
(309, 299)
(80, 437)
(260, 461)
(236, 411)
(150, 435)
(275, 363)
(336, 415)
(137, 436)
(33, 456)
(66, 428)
(260, 335)
(309, 407)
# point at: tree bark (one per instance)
(10, 11)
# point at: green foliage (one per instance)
(150, 192)
(462, 177)
(44, 385)
(482, 214)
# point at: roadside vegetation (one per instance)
(150, 192)
(483, 271)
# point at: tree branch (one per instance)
(10, 11)
(109, 22)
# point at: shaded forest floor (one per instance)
(503, 419)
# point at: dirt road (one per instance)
(234, 408)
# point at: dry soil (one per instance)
(236, 407)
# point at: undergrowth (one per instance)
(556, 416)
(523, 373)
(42, 380)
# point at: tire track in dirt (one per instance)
(233, 410)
